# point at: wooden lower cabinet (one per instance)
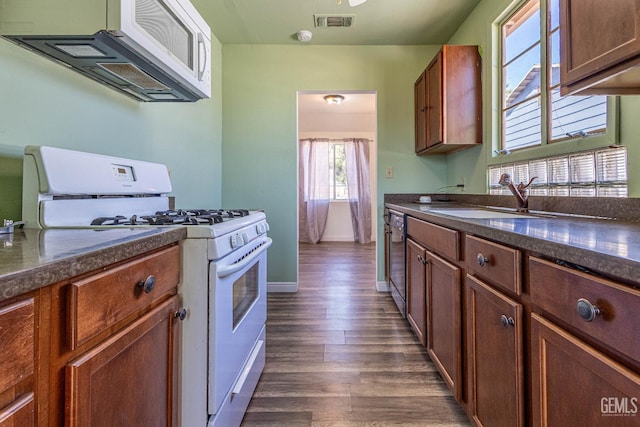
(20, 413)
(416, 288)
(444, 327)
(113, 357)
(495, 356)
(129, 379)
(18, 353)
(574, 384)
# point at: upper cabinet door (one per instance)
(448, 98)
(420, 92)
(434, 117)
(600, 47)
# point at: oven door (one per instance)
(238, 312)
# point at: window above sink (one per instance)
(600, 173)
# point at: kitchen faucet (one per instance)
(520, 192)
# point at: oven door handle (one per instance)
(248, 260)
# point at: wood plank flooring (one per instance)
(339, 354)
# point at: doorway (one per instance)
(354, 118)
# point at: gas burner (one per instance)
(175, 217)
(224, 213)
(120, 220)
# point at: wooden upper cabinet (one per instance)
(600, 47)
(433, 111)
(448, 102)
(420, 92)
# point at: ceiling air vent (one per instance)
(334, 21)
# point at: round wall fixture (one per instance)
(304, 36)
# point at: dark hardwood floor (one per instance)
(340, 354)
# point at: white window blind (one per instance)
(601, 173)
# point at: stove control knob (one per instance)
(262, 228)
(236, 241)
(245, 238)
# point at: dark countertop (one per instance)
(606, 246)
(31, 258)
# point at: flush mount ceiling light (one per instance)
(334, 99)
(352, 3)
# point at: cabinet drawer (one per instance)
(102, 300)
(17, 343)
(557, 290)
(442, 240)
(494, 262)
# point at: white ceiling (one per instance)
(377, 22)
(354, 103)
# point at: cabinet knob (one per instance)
(482, 260)
(423, 259)
(586, 310)
(507, 321)
(181, 314)
(147, 285)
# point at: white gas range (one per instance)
(224, 267)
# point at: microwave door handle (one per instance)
(202, 65)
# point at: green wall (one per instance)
(10, 188)
(260, 83)
(43, 103)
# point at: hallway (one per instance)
(339, 353)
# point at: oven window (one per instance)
(245, 292)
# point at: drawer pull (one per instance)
(507, 321)
(482, 260)
(586, 310)
(181, 314)
(423, 260)
(147, 285)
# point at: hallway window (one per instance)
(337, 172)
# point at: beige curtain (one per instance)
(313, 189)
(357, 168)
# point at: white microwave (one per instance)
(154, 50)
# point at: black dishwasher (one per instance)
(397, 223)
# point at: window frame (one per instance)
(497, 155)
(332, 173)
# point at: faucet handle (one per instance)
(522, 187)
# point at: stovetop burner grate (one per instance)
(175, 217)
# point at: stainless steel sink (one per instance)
(478, 213)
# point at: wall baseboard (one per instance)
(383, 287)
(282, 287)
